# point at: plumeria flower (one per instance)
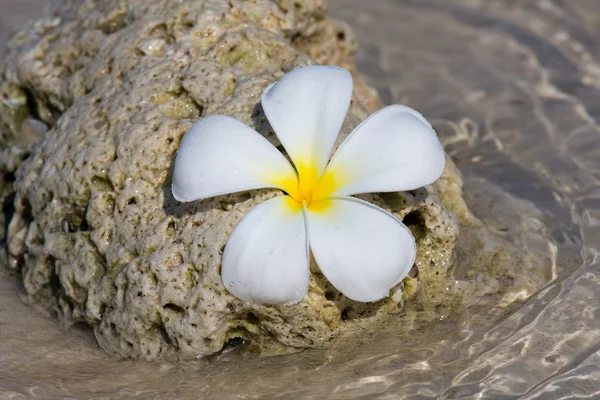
(361, 249)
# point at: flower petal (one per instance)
(360, 248)
(221, 155)
(266, 257)
(395, 149)
(306, 108)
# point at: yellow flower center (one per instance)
(309, 188)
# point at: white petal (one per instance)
(306, 108)
(360, 248)
(221, 155)
(266, 257)
(395, 149)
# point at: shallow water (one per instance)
(513, 88)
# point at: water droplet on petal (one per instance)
(271, 251)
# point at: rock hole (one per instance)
(74, 223)
(414, 272)
(8, 209)
(252, 318)
(244, 196)
(159, 30)
(163, 334)
(344, 315)
(9, 177)
(173, 307)
(234, 342)
(414, 221)
(48, 114)
(32, 104)
(170, 231)
(367, 313)
(113, 23)
(396, 201)
(100, 183)
(54, 281)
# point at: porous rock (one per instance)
(94, 230)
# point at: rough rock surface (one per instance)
(94, 231)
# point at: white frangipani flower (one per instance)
(361, 249)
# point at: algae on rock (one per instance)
(94, 230)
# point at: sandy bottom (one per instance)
(513, 89)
